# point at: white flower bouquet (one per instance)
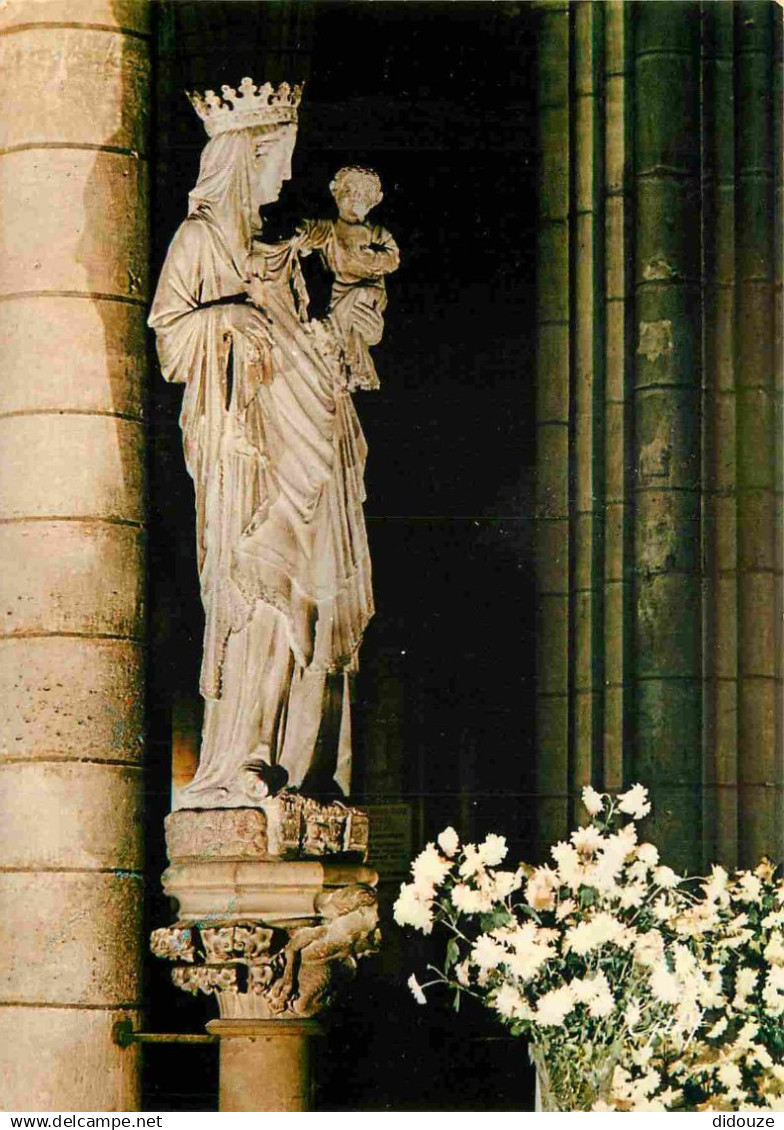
(735, 1060)
(607, 960)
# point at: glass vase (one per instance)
(573, 1077)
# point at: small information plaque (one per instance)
(389, 850)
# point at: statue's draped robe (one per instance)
(276, 453)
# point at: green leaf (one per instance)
(452, 954)
(494, 919)
(587, 897)
(456, 1001)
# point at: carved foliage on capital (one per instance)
(293, 969)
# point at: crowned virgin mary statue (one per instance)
(276, 453)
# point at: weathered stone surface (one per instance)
(552, 295)
(70, 938)
(75, 85)
(668, 642)
(93, 815)
(73, 219)
(62, 697)
(266, 1065)
(131, 14)
(98, 198)
(55, 1059)
(287, 826)
(42, 371)
(552, 484)
(216, 833)
(670, 731)
(552, 396)
(668, 531)
(77, 577)
(72, 467)
(757, 598)
(552, 643)
(269, 891)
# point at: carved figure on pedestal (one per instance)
(359, 255)
(276, 452)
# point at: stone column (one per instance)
(759, 529)
(73, 274)
(275, 909)
(266, 1065)
(659, 487)
(667, 617)
(553, 408)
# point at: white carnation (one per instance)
(472, 861)
(416, 989)
(773, 993)
(634, 802)
(648, 854)
(611, 859)
(508, 1001)
(487, 954)
(553, 1008)
(587, 839)
(601, 1005)
(541, 889)
(429, 870)
(718, 1029)
(748, 887)
(664, 985)
(745, 983)
(411, 910)
(758, 1053)
(570, 869)
(449, 841)
(774, 950)
(665, 877)
(594, 992)
(470, 901)
(493, 850)
(716, 887)
(504, 884)
(593, 801)
(729, 1075)
(633, 895)
(596, 932)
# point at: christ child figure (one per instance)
(358, 255)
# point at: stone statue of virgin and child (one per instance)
(273, 444)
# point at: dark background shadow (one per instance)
(439, 98)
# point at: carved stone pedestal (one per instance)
(275, 909)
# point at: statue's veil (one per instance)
(222, 194)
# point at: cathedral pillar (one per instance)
(659, 419)
(74, 77)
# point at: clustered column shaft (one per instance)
(659, 419)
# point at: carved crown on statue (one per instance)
(250, 105)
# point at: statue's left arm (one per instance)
(385, 250)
